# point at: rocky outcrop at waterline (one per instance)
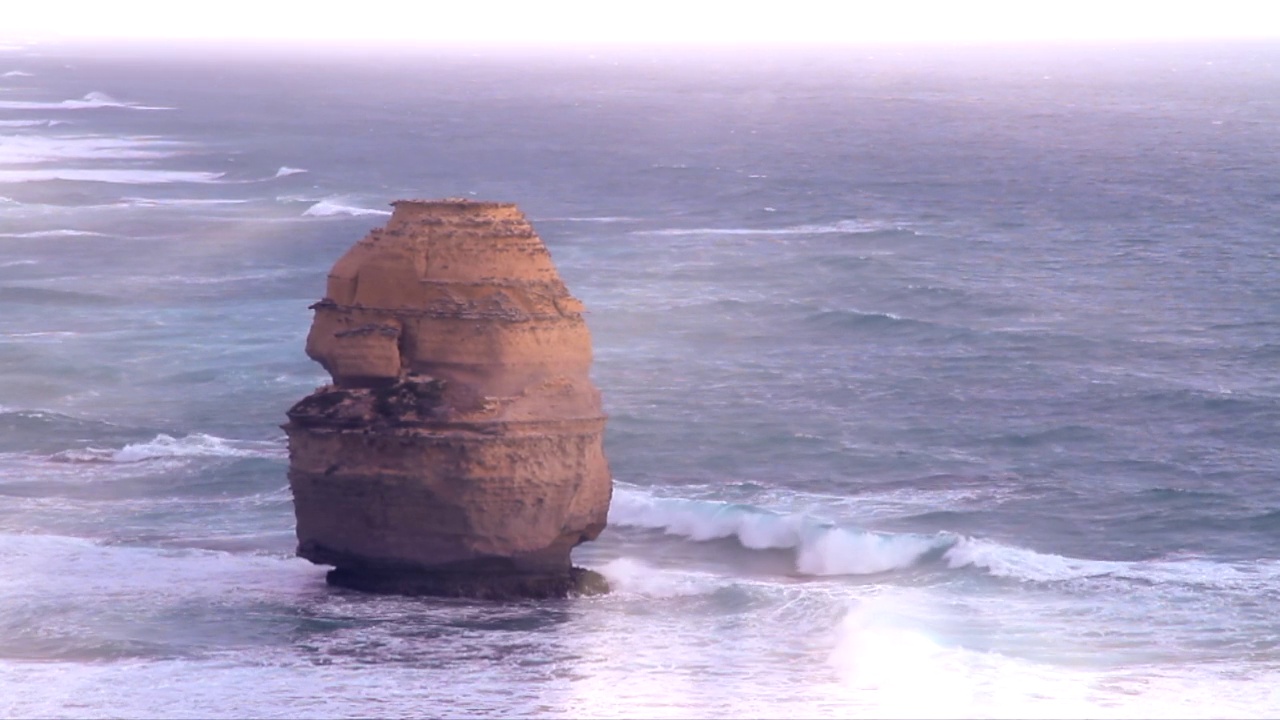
(458, 450)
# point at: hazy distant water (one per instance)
(940, 383)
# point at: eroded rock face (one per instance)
(458, 450)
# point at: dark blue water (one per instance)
(941, 383)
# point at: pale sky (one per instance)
(432, 22)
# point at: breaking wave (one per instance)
(821, 548)
(164, 447)
(1028, 565)
(339, 206)
(286, 171)
(17, 73)
(634, 577)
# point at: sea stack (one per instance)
(458, 450)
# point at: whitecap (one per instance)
(90, 101)
(55, 233)
(844, 552)
(629, 576)
(120, 176)
(286, 171)
(841, 227)
(603, 219)
(25, 123)
(27, 149)
(1031, 566)
(339, 205)
(257, 276)
(17, 73)
(178, 202)
(164, 447)
(821, 548)
(56, 563)
(41, 334)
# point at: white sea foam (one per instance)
(286, 171)
(45, 334)
(17, 73)
(1023, 564)
(256, 276)
(117, 176)
(28, 149)
(604, 219)
(90, 101)
(891, 665)
(16, 263)
(45, 565)
(340, 205)
(178, 202)
(164, 447)
(25, 123)
(883, 656)
(824, 549)
(820, 548)
(842, 227)
(634, 577)
(847, 552)
(55, 233)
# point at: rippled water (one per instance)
(940, 383)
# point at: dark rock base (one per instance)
(578, 581)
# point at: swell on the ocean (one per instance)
(167, 446)
(825, 548)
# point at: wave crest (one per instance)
(164, 447)
(840, 227)
(1030, 566)
(821, 548)
(340, 205)
(90, 101)
(634, 577)
(109, 175)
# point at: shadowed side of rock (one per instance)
(458, 450)
(494, 584)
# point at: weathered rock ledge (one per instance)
(458, 450)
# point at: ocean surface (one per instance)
(941, 382)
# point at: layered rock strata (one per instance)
(458, 449)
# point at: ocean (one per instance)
(942, 382)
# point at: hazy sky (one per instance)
(686, 21)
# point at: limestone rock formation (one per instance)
(458, 449)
